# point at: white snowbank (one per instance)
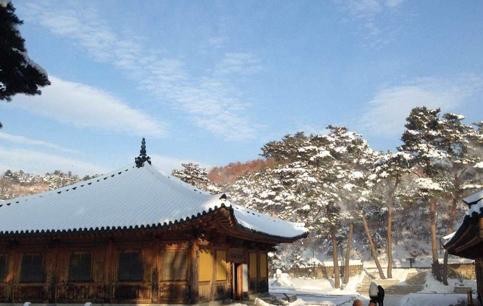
(434, 286)
(321, 291)
(282, 282)
(415, 299)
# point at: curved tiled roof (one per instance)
(469, 227)
(128, 198)
(475, 198)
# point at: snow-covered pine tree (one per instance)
(337, 166)
(458, 174)
(193, 174)
(388, 174)
(422, 139)
(297, 188)
(352, 160)
(18, 73)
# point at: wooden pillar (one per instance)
(156, 271)
(109, 266)
(51, 259)
(14, 258)
(213, 273)
(193, 275)
(479, 278)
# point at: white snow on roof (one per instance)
(253, 220)
(127, 197)
(476, 201)
(448, 237)
(475, 197)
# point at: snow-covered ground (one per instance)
(321, 291)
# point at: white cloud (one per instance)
(163, 77)
(166, 164)
(19, 139)
(368, 9)
(217, 41)
(86, 106)
(39, 162)
(367, 12)
(238, 63)
(390, 106)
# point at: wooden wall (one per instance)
(175, 271)
(104, 286)
(479, 278)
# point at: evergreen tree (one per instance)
(388, 174)
(18, 73)
(193, 174)
(423, 139)
(351, 164)
(320, 180)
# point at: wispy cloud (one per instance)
(217, 41)
(218, 109)
(19, 139)
(367, 13)
(39, 162)
(238, 63)
(86, 106)
(390, 106)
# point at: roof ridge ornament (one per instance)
(143, 157)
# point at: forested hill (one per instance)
(18, 183)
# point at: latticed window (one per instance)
(175, 265)
(130, 266)
(32, 270)
(3, 267)
(80, 267)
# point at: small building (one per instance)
(134, 236)
(467, 241)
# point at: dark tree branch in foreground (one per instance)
(18, 73)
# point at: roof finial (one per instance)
(143, 157)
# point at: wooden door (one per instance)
(240, 280)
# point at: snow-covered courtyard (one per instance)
(321, 292)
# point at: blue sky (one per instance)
(212, 81)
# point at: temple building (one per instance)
(134, 236)
(467, 241)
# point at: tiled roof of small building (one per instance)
(127, 198)
(468, 229)
(475, 201)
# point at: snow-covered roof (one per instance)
(127, 198)
(457, 243)
(474, 198)
(475, 201)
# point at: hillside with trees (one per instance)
(363, 203)
(19, 183)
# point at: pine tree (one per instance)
(193, 174)
(388, 174)
(458, 173)
(297, 188)
(18, 73)
(352, 162)
(423, 139)
(320, 180)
